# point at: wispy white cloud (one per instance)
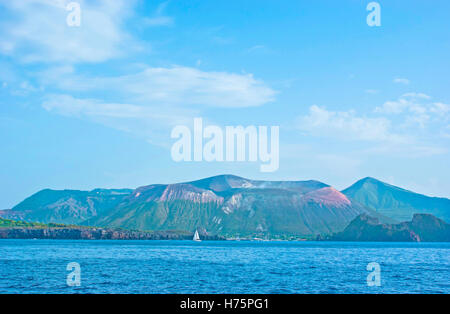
(393, 107)
(256, 48)
(39, 32)
(159, 18)
(347, 125)
(176, 86)
(445, 133)
(417, 108)
(416, 96)
(151, 123)
(393, 133)
(403, 81)
(222, 41)
(150, 102)
(158, 21)
(440, 109)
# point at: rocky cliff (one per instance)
(423, 228)
(22, 230)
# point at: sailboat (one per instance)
(196, 237)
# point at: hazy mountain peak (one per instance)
(372, 183)
(395, 202)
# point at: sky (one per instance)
(93, 106)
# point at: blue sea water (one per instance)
(39, 266)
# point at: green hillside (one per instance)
(395, 202)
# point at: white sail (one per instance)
(196, 236)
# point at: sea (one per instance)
(231, 267)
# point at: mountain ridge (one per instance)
(226, 204)
(395, 202)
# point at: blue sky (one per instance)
(93, 106)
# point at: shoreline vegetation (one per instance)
(422, 228)
(11, 229)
